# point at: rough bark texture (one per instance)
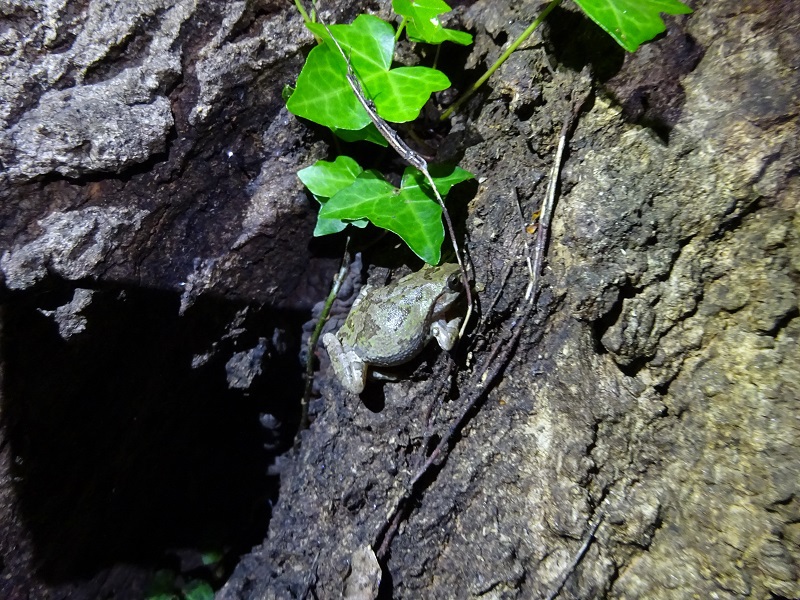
(183, 103)
(656, 386)
(661, 388)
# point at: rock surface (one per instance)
(657, 390)
(150, 208)
(157, 130)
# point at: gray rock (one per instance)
(72, 245)
(99, 116)
(69, 317)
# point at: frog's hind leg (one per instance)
(349, 369)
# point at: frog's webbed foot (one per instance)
(446, 332)
(349, 369)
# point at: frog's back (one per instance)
(394, 326)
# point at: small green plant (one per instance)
(421, 19)
(350, 194)
(629, 22)
(347, 192)
(167, 585)
(326, 94)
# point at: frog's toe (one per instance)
(351, 372)
(358, 377)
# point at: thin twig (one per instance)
(301, 9)
(400, 29)
(545, 217)
(503, 57)
(312, 341)
(391, 530)
(576, 560)
(531, 278)
(413, 159)
(444, 382)
(509, 266)
(546, 213)
(503, 280)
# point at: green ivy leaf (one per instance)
(631, 22)
(369, 133)
(410, 211)
(444, 176)
(327, 226)
(400, 95)
(162, 587)
(423, 22)
(414, 217)
(325, 179)
(324, 96)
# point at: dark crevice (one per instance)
(783, 322)
(663, 388)
(500, 39)
(526, 110)
(612, 580)
(69, 23)
(252, 20)
(128, 53)
(122, 451)
(603, 324)
(577, 42)
(734, 217)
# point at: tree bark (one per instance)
(146, 149)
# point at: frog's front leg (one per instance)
(349, 369)
(446, 332)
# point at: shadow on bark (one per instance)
(121, 450)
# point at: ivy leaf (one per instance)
(408, 211)
(631, 22)
(414, 217)
(369, 133)
(323, 94)
(325, 179)
(423, 22)
(211, 557)
(444, 176)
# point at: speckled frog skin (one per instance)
(389, 326)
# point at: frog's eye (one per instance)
(454, 281)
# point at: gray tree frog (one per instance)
(390, 325)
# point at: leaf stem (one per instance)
(503, 57)
(312, 341)
(302, 11)
(400, 29)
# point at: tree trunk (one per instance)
(641, 441)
